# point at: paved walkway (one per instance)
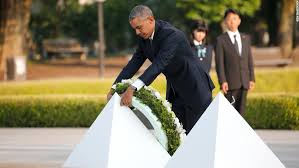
(49, 147)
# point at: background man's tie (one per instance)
(236, 45)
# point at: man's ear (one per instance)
(151, 19)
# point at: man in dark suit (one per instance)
(169, 51)
(234, 64)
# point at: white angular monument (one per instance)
(117, 138)
(223, 139)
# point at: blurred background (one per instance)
(56, 51)
(67, 32)
(59, 58)
(62, 56)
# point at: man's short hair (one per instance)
(230, 10)
(140, 11)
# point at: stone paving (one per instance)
(49, 147)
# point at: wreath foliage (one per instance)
(161, 109)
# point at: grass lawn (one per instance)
(282, 81)
(274, 104)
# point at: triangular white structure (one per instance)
(117, 138)
(223, 139)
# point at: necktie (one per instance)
(151, 42)
(151, 45)
(236, 45)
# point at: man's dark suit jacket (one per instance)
(232, 68)
(171, 54)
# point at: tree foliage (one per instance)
(72, 20)
(212, 11)
(81, 22)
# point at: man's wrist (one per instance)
(133, 88)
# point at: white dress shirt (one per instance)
(238, 38)
(196, 43)
(152, 36)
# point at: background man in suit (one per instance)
(234, 63)
(170, 53)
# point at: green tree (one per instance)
(44, 21)
(118, 33)
(81, 22)
(212, 11)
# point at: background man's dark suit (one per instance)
(171, 54)
(234, 69)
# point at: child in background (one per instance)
(202, 50)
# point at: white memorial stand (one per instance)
(117, 139)
(223, 139)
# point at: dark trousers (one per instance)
(239, 100)
(188, 114)
(183, 112)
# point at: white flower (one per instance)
(158, 96)
(151, 88)
(173, 114)
(146, 88)
(166, 104)
(180, 129)
(178, 126)
(129, 81)
(113, 86)
(176, 121)
(152, 92)
(182, 137)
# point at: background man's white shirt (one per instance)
(238, 38)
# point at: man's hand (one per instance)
(251, 85)
(224, 87)
(109, 95)
(126, 98)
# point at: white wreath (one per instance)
(158, 131)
